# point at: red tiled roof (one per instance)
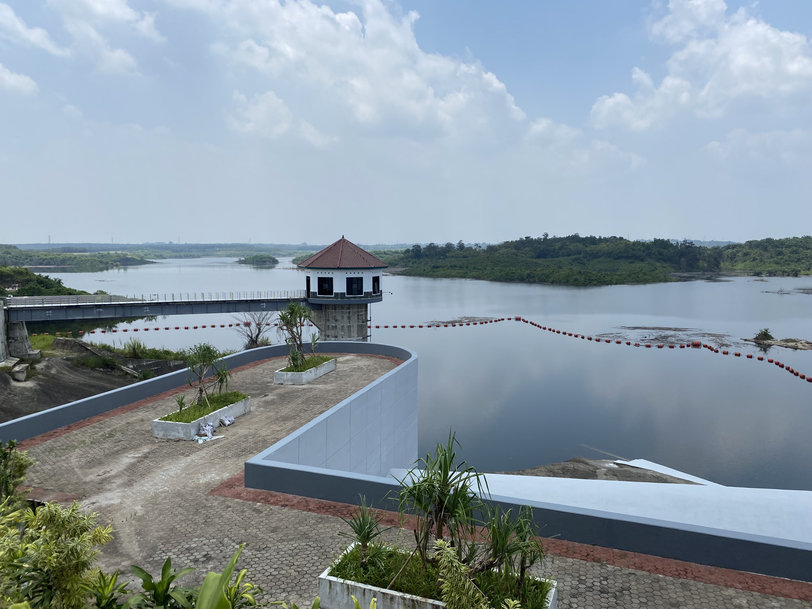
(343, 254)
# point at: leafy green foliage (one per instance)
(458, 590)
(106, 591)
(161, 592)
(242, 593)
(22, 282)
(366, 526)
(791, 256)
(47, 556)
(383, 562)
(764, 334)
(291, 323)
(442, 493)
(202, 360)
(13, 467)
(573, 260)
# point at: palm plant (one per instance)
(291, 322)
(366, 526)
(444, 496)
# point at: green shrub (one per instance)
(763, 334)
(309, 362)
(195, 411)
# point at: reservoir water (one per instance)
(518, 397)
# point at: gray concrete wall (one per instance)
(3, 343)
(59, 416)
(370, 432)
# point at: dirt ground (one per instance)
(598, 469)
(57, 381)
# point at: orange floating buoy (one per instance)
(589, 338)
(135, 329)
(803, 376)
(696, 344)
(749, 356)
(411, 326)
(648, 345)
(92, 331)
(659, 346)
(146, 329)
(809, 379)
(606, 340)
(124, 330)
(724, 352)
(617, 342)
(760, 358)
(770, 361)
(636, 344)
(670, 346)
(737, 354)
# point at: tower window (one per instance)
(325, 286)
(355, 286)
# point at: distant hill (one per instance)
(589, 261)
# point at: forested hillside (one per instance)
(587, 261)
(22, 282)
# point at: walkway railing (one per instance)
(22, 302)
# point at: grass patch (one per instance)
(135, 349)
(41, 342)
(310, 362)
(384, 561)
(96, 362)
(194, 412)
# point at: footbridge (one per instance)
(19, 310)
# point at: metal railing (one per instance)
(24, 302)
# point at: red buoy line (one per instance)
(692, 345)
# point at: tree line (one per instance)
(587, 261)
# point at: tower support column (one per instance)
(342, 321)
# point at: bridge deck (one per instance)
(105, 306)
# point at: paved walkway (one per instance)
(187, 501)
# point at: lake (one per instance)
(517, 396)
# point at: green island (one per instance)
(594, 261)
(259, 260)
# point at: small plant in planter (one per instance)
(292, 320)
(470, 563)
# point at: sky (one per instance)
(403, 121)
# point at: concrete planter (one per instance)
(336, 593)
(303, 378)
(188, 431)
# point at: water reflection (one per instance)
(519, 397)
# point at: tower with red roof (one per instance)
(341, 281)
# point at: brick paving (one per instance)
(184, 500)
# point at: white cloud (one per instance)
(103, 12)
(720, 60)
(363, 72)
(688, 19)
(15, 29)
(265, 115)
(16, 83)
(93, 44)
(780, 147)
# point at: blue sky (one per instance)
(410, 121)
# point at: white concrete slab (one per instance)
(774, 516)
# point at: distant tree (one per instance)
(460, 245)
(253, 327)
